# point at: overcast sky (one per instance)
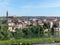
(30, 7)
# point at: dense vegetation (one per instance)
(30, 34)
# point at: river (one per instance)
(48, 44)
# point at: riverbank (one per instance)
(33, 40)
(48, 44)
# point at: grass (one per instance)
(33, 40)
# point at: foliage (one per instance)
(52, 31)
(33, 32)
(18, 34)
(3, 21)
(46, 26)
(5, 33)
(29, 32)
(33, 40)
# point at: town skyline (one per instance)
(29, 22)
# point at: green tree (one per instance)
(54, 31)
(29, 33)
(46, 25)
(37, 31)
(5, 33)
(1, 36)
(18, 34)
(41, 31)
(34, 31)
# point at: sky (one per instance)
(30, 7)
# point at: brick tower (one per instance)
(7, 17)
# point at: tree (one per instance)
(52, 31)
(1, 36)
(45, 26)
(29, 33)
(41, 31)
(34, 31)
(5, 33)
(18, 34)
(37, 31)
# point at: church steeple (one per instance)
(7, 17)
(7, 14)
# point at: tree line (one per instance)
(30, 32)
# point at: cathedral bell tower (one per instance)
(7, 17)
(7, 14)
